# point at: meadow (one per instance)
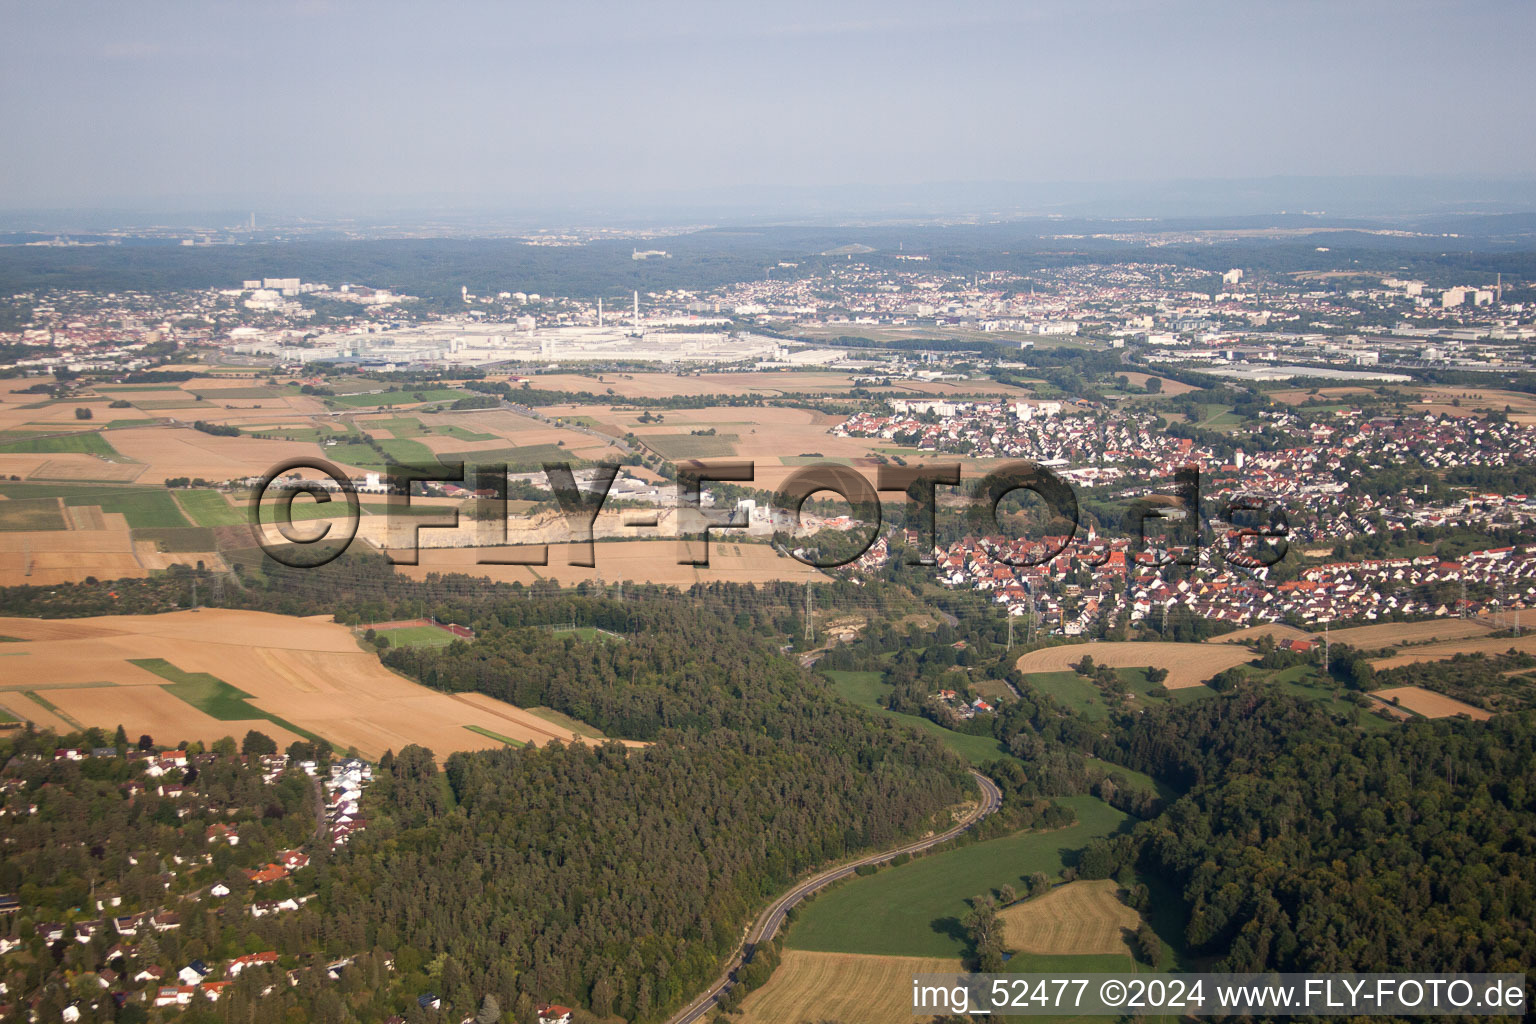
(916, 909)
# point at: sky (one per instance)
(526, 105)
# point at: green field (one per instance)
(213, 696)
(143, 507)
(1080, 696)
(404, 451)
(554, 717)
(673, 447)
(1302, 681)
(179, 538)
(418, 636)
(498, 737)
(460, 434)
(353, 453)
(1134, 780)
(916, 909)
(209, 508)
(865, 689)
(90, 443)
(31, 514)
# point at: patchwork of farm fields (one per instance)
(200, 675)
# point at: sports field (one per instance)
(218, 672)
(1187, 664)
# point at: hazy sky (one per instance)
(147, 102)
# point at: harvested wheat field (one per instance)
(643, 561)
(49, 557)
(302, 675)
(1079, 917)
(1274, 630)
(1428, 703)
(182, 451)
(28, 708)
(77, 468)
(1450, 648)
(151, 557)
(1522, 406)
(1391, 634)
(850, 988)
(1187, 664)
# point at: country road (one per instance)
(768, 922)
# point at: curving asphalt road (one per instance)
(769, 921)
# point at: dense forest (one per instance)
(1306, 847)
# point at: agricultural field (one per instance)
(1428, 703)
(812, 988)
(218, 672)
(1080, 696)
(676, 447)
(210, 508)
(143, 508)
(31, 514)
(1441, 650)
(417, 636)
(1393, 634)
(1079, 918)
(50, 444)
(1169, 387)
(167, 451)
(104, 549)
(916, 909)
(1274, 630)
(1187, 664)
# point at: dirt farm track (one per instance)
(307, 672)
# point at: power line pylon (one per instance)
(810, 626)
